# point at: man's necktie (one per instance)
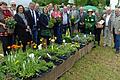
(33, 17)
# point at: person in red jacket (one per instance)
(56, 14)
(6, 38)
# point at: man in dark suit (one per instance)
(81, 24)
(33, 20)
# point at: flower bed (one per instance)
(44, 64)
(65, 66)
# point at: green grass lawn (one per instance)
(1, 52)
(100, 64)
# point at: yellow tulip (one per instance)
(72, 17)
(34, 46)
(8, 47)
(21, 46)
(41, 39)
(28, 43)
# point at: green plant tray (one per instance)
(67, 64)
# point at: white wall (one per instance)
(25, 3)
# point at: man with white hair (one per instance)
(81, 24)
(13, 7)
(74, 14)
(108, 17)
(116, 26)
(66, 20)
(33, 21)
(50, 9)
(68, 9)
(37, 9)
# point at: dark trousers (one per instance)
(58, 33)
(72, 28)
(7, 41)
(65, 27)
(22, 41)
(114, 35)
(81, 28)
(117, 42)
(23, 38)
(5, 44)
(88, 31)
(11, 39)
(35, 35)
(97, 35)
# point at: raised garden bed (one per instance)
(47, 63)
(66, 65)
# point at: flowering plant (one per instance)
(72, 19)
(14, 46)
(10, 22)
(59, 19)
(51, 23)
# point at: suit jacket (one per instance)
(44, 30)
(30, 20)
(44, 19)
(20, 29)
(75, 13)
(116, 25)
(82, 18)
(20, 26)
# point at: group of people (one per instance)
(33, 24)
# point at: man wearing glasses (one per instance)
(13, 7)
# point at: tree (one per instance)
(107, 2)
(77, 2)
(89, 2)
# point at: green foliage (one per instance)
(66, 49)
(51, 23)
(23, 66)
(50, 64)
(10, 22)
(2, 75)
(84, 39)
(107, 2)
(97, 65)
(33, 61)
(67, 39)
(77, 2)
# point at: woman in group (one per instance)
(45, 31)
(99, 27)
(90, 22)
(4, 36)
(56, 14)
(22, 29)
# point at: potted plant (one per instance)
(10, 23)
(56, 60)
